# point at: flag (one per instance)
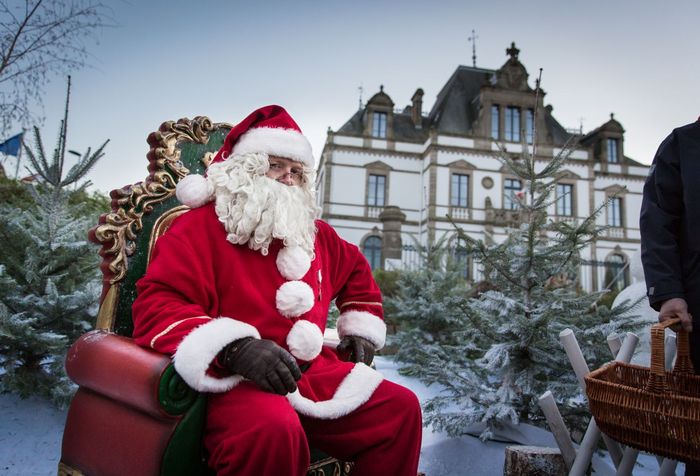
(12, 145)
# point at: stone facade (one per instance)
(390, 173)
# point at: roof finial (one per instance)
(381, 88)
(361, 90)
(472, 39)
(513, 51)
(612, 116)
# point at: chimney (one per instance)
(417, 108)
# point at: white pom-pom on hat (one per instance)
(305, 340)
(293, 262)
(194, 191)
(294, 298)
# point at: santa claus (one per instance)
(238, 292)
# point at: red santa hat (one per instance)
(269, 129)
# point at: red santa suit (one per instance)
(201, 292)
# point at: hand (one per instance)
(676, 307)
(272, 368)
(356, 349)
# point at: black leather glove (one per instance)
(356, 349)
(272, 368)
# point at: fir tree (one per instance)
(428, 305)
(49, 282)
(496, 353)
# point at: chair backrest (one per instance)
(143, 211)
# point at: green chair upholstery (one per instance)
(133, 414)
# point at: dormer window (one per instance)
(379, 125)
(378, 122)
(613, 157)
(529, 125)
(512, 126)
(495, 122)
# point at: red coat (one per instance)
(201, 292)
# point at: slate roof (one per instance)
(457, 105)
(403, 129)
(454, 111)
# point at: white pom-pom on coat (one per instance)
(294, 298)
(293, 262)
(194, 191)
(305, 340)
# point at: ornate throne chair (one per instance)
(133, 414)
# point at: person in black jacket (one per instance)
(670, 231)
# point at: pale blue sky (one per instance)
(170, 59)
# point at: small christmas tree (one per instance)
(497, 352)
(49, 282)
(428, 305)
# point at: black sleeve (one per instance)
(660, 224)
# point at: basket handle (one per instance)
(657, 376)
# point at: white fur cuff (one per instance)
(357, 387)
(199, 348)
(362, 324)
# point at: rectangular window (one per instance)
(565, 192)
(510, 188)
(615, 212)
(495, 122)
(462, 258)
(375, 195)
(530, 125)
(613, 158)
(379, 125)
(512, 127)
(459, 190)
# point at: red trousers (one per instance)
(251, 432)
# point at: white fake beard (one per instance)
(256, 209)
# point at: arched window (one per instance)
(372, 249)
(616, 272)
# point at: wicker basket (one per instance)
(648, 408)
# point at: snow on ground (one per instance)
(31, 430)
(30, 436)
(444, 456)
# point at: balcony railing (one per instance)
(374, 212)
(615, 232)
(461, 213)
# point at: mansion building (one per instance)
(388, 178)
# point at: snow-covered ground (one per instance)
(30, 440)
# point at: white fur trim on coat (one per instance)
(294, 298)
(287, 143)
(199, 348)
(305, 340)
(362, 324)
(352, 392)
(194, 191)
(293, 262)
